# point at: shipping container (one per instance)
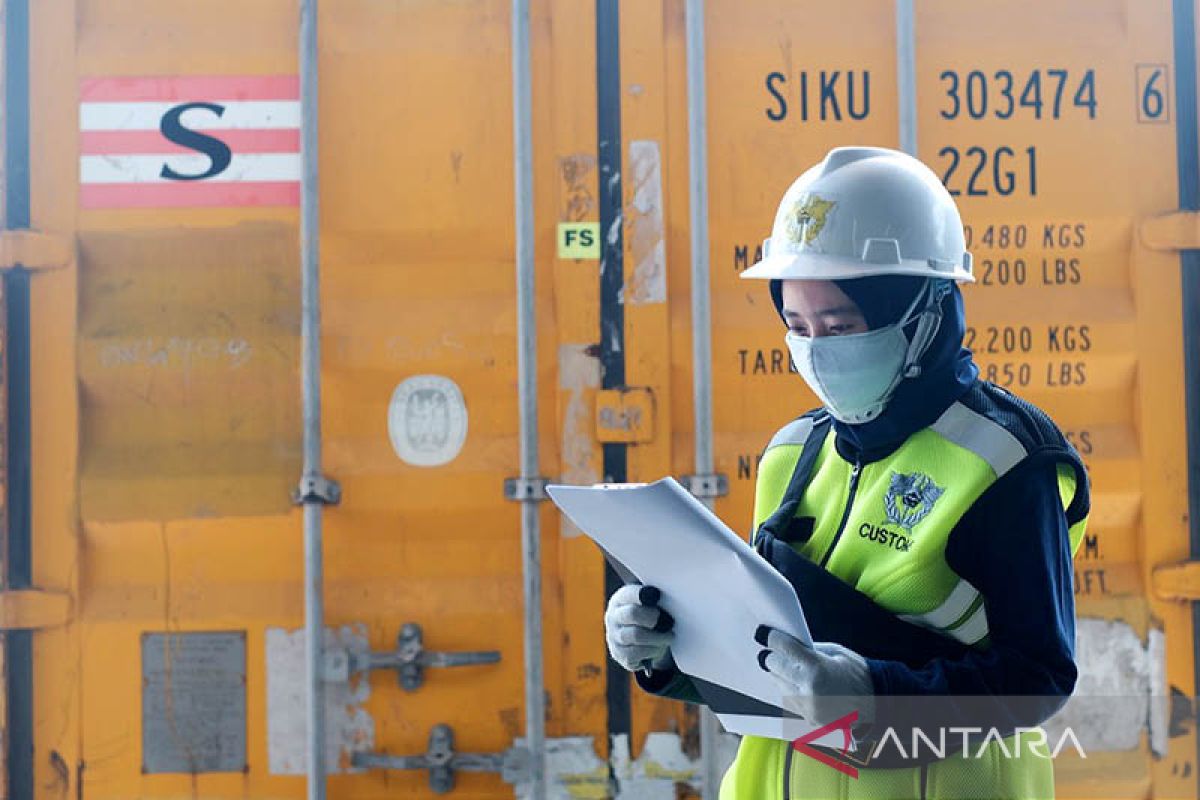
(154, 583)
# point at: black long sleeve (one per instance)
(1013, 546)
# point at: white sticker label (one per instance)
(427, 420)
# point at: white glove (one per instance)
(822, 683)
(637, 631)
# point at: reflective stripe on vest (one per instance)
(954, 609)
(795, 432)
(983, 437)
(974, 629)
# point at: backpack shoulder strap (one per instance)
(780, 521)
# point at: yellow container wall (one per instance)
(166, 393)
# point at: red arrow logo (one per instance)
(843, 724)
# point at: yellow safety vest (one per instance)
(882, 528)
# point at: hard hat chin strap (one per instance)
(929, 320)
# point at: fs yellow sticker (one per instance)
(579, 240)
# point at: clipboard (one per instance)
(714, 585)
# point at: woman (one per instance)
(930, 537)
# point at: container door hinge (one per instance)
(26, 609)
(317, 489)
(442, 762)
(706, 486)
(409, 659)
(1175, 230)
(34, 250)
(1178, 581)
(522, 489)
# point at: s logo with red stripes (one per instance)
(148, 142)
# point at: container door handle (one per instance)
(442, 762)
(409, 659)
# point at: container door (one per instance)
(1053, 127)
(166, 387)
(163, 601)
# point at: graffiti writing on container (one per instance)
(819, 95)
(176, 352)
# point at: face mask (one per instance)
(856, 375)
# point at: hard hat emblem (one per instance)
(808, 218)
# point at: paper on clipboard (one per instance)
(714, 585)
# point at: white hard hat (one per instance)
(865, 211)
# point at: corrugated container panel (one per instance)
(165, 334)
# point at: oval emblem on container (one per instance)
(427, 420)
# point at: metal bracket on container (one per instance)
(317, 489)
(409, 659)
(442, 762)
(1174, 230)
(705, 486)
(32, 609)
(34, 250)
(1178, 581)
(526, 489)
